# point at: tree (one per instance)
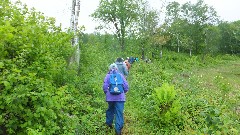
(74, 23)
(230, 37)
(120, 13)
(212, 39)
(200, 16)
(191, 20)
(146, 27)
(158, 39)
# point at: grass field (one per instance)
(216, 86)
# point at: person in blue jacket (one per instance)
(122, 68)
(115, 102)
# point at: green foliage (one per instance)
(41, 94)
(140, 111)
(195, 110)
(120, 14)
(207, 99)
(213, 120)
(229, 42)
(35, 94)
(187, 23)
(95, 59)
(222, 84)
(167, 107)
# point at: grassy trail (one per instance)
(132, 124)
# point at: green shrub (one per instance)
(35, 89)
(167, 106)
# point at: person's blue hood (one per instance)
(113, 69)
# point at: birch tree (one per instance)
(74, 23)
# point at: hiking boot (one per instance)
(119, 133)
(110, 126)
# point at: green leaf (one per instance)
(7, 85)
(1, 64)
(17, 70)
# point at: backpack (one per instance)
(116, 84)
(131, 60)
(127, 64)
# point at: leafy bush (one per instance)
(167, 106)
(213, 120)
(34, 92)
(163, 109)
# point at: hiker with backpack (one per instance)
(127, 64)
(122, 68)
(131, 60)
(136, 59)
(115, 86)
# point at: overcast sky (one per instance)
(228, 10)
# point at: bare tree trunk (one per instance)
(143, 55)
(178, 43)
(161, 54)
(123, 40)
(74, 23)
(196, 48)
(118, 33)
(72, 14)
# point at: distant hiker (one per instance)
(131, 60)
(127, 64)
(136, 59)
(115, 100)
(122, 68)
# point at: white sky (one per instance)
(228, 10)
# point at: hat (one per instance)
(119, 60)
(113, 67)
